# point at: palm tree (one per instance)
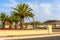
(23, 11)
(3, 18)
(10, 20)
(15, 19)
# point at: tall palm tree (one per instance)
(16, 20)
(3, 18)
(23, 11)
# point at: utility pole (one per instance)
(33, 23)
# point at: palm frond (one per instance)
(23, 10)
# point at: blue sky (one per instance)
(43, 9)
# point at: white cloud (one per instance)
(8, 6)
(55, 12)
(45, 11)
(45, 8)
(2, 10)
(13, 1)
(42, 11)
(11, 4)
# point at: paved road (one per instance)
(45, 38)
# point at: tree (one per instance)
(23, 11)
(16, 20)
(10, 20)
(3, 18)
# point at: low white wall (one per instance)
(26, 32)
(22, 32)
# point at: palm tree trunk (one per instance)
(16, 25)
(22, 22)
(10, 26)
(3, 25)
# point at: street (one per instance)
(43, 38)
